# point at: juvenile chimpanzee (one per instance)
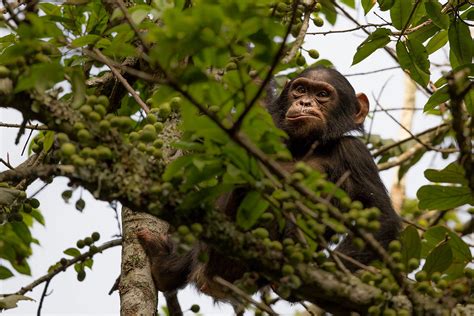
(317, 109)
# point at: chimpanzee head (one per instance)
(319, 105)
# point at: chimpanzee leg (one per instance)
(170, 270)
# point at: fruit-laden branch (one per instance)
(66, 264)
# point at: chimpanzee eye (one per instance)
(323, 94)
(300, 89)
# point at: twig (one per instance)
(45, 293)
(413, 224)
(349, 30)
(335, 257)
(7, 164)
(413, 29)
(135, 29)
(402, 158)
(412, 12)
(301, 35)
(373, 111)
(398, 109)
(267, 79)
(124, 81)
(372, 71)
(39, 190)
(71, 262)
(11, 12)
(354, 262)
(244, 295)
(417, 139)
(299, 232)
(113, 206)
(33, 127)
(34, 163)
(34, 171)
(97, 81)
(437, 218)
(389, 50)
(439, 129)
(351, 18)
(27, 140)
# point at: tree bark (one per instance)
(138, 295)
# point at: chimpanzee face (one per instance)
(311, 100)
(319, 105)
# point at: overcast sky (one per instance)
(65, 225)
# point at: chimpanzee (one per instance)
(316, 109)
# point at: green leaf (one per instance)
(368, 5)
(89, 262)
(139, 15)
(431, 238)
(437, 234)
(323, 62)
(419, 55)
(436, 197)
(439, 259)
(400, 13)
(409, 58)
(440, 96)
(376, 40)
(250, 210)
(329, 11)
(50, 9)
(436, 42)
(433, 9)
(411, 244)
(469, 100)
(349, 3)
(48, 141)
(73, 252)
(85, 40)
(78, 86)
(385, 4)
(176, 167)
(460, 42)
(453, 173)
(22, 231)
(424, 33)
(38, 216)
(40, 76)
(23, 267)
(5, 273)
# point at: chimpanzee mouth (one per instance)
(302, 116)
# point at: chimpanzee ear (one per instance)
(362, 108)
(287, 85)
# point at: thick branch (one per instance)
(35, 172)
(138, 295)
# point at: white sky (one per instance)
(65, 225)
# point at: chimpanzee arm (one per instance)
(169, 269)
(364, 185)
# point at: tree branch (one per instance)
(70, 262)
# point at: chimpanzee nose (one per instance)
(305, 103)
